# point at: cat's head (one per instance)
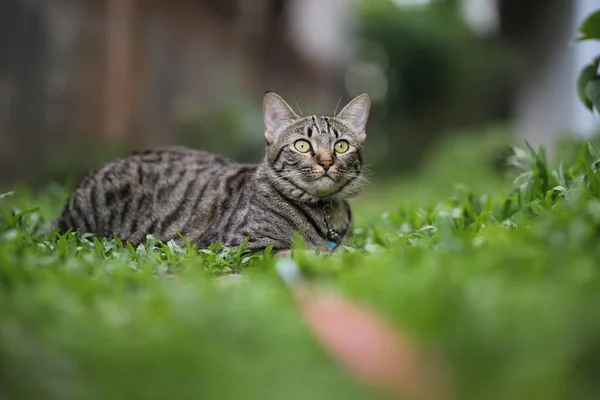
(315, 157)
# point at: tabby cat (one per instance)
(312, 165)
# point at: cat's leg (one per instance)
(280, 249)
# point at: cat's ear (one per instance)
(356, 114)
(276, 113)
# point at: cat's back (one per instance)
(153, 191)
(173, 155)
(154, 170)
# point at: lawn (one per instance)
(496, 275)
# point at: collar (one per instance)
(333, 238)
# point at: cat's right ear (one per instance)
(276, 113)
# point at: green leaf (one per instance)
(98, 245)
(592, 150)
(587, 74)
(541, 168)
(8, 218)
(590, 28)
(141, 250)
(3, 195)
(591, 178)
(268, 250)
(593, 92)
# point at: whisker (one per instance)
(336, 106)
(369, 174)
(299, 109)
(363, 179)
(360, 178)
(367, 171)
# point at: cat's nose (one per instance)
(324, 158)
(325, 164)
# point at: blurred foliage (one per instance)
(440, 76)
(590, 28)
(499, 280)
(588, 84)
(427, 72)
(78, 157)
(233, 128)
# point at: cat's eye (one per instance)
(302, 146)
(341, 146)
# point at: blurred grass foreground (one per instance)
(499, 280)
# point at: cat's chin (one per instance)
(324, 187)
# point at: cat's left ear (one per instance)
(276, 113)
(356, 114)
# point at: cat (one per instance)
(312, 165)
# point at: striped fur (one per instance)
(211, 199)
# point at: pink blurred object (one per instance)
(365, 343)
(368, 346)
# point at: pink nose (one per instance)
(325, 164)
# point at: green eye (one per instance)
(302, 146)
(341, 146)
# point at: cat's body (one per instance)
(205, 197)
(208, 198)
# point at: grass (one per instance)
(501, 279)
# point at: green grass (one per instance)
(501, 279)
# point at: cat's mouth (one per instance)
(326, 176)
(324, 185)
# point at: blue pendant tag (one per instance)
(331, 245)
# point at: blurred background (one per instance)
(85, 80)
